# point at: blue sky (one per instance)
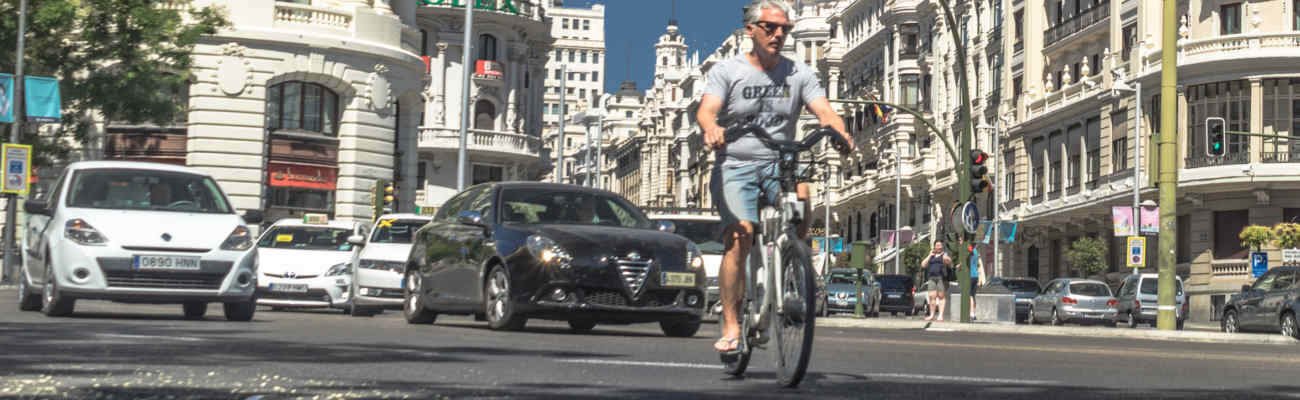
(633, 26)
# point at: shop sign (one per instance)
(489, 69)
(505, 5)
(300, 176)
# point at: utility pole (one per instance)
(1137, 163)
(10, 264)
(963, 160)
(1166, 318)
(997, 133)
(467, 48)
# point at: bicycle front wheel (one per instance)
(793, 326)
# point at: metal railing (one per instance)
(1279, 157)
(1235, 158)
(1077, 22)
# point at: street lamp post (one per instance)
(466, 49)
(1137, 146)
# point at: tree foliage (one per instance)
(1255, 236)
(912, 256)
(1088, 255)
(1287, 235)
(124, 59)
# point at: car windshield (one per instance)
(843, 277)
(704, 233)
(894, 282)
(395, 230)
(1089, 289)
(306, 238)
(1152, 286)
(1022, 285)
(143, 189)
(550, 206)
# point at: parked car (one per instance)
(520, 250)
(137, 232)
(703, 228)
(842, 292)
(381, 263)
(1137, 300)
(897, 294)
(307, 262)
(921, 298)
(1083, 301)
(1024, 290)
(1271, 304)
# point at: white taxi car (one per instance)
(137, 232)
(377, 276)
(702, 227)
(306, 262)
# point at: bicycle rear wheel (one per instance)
(793, 326)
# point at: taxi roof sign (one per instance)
(315, 219)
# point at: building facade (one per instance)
(301, 106)
(578, 55)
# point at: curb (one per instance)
(1119, 332)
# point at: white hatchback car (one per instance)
(137, 232)
(377, 276)
(306, 262)
(701, 228)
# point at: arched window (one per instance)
(302, 106)
(484, 115)
(487, 47)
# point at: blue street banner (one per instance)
(837, 244)
(818, 245)
(1258, 263)
(42, 99)
(6, 98)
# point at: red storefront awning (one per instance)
(302, 176)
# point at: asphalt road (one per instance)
(108, 350)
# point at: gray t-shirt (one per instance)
(774, 99)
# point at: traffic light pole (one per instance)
(1166, 319)
(963, 179)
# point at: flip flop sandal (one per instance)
(733, 352)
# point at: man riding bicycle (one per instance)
(772, 90)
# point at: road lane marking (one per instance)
(1130, 352)
(127, 336)
(641, 363)
(970, 379)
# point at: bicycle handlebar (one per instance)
(737, 131)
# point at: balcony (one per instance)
(1276, 48)
(1076, 23)
(300, 15)
(514, 146)
(1280, 157)
(1241, 157)
(1064, 97)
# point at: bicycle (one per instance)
(792, 319)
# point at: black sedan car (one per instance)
(507, 252)
(897, 294)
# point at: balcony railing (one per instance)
(1233, 268)
(1278, 157)
(1077, 22)
(301, 14)
(1060, 98)
(1235, 158)
(503, 143)
(1019, 46)
(1246, 45)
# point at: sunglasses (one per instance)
(771, 27)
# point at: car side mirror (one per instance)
(471, 218)
(666, 226)
(38, 207)
(1245, 288)
(253, 216)
(357, 240)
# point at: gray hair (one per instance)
(754, 10)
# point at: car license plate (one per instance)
(289, 287)
(179, 263)
(677, 279)
(1092, 315)
(895, 296)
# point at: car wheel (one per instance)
(194, 310)
(1056, 318)
(1230, 323)
(1132, 320)
(680, 328)
(55, 304)
(581, 325)
(240, 311)
(1289, 327)
(1030, 318)
(500, 309)
(27, 301)
(413, 302)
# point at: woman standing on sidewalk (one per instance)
(935, 265)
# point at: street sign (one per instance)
(1290, 256)
(1137, 247)
(970, 217)
(17, 162)
(1258, 263)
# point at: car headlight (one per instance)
(694, 257)
(82, 233)
(240, 239)
(548, 251)
(338, 269)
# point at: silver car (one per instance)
(1076, 300)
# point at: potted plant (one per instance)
(1256, 236)
(1088, 256)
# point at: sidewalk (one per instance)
(1193, 332)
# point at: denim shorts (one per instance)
(736, 189)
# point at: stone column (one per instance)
(440, 103)
(1256, 119)
(408, 135)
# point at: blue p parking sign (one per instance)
(1258, 263)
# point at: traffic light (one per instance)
(1215, 137)
(378, 196)
(390, 195)
(978, 182)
